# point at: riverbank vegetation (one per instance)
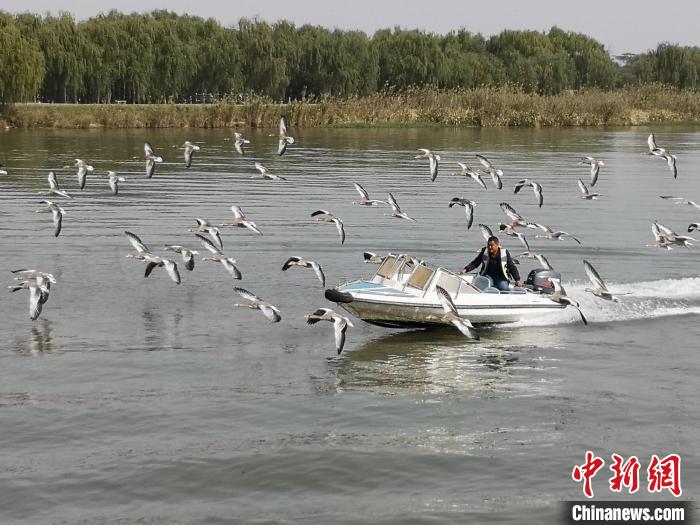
(325, 76)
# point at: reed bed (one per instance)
(481, 107)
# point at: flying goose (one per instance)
(326, 216)
(203, 226)
(284, 139)
(151, 159)
(473, 174)
(340, 324)
(303, 263)
(266, 174)
(468, 208)
(187, 254)
(152, 261)
(496, 174)
(239, 141)
(228, 263)
(58, 214)
(434, 158)
(536, 188)
(83, 168)
(595, 167)
(364, 197)
(452, 316)
(189, 151)
(256, 303)
(53, 187)
(240, 221)
(553, 235)
(396, 211)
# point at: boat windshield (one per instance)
(389, 268)
(420, 277)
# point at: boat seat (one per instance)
(482, 282)
(491, 289)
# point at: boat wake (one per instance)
(647, 300)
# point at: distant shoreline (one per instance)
(480, 107)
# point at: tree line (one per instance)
(164, 57)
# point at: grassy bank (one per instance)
(486, 107)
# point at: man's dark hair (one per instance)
(493, 238)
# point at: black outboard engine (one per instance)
(540, 280)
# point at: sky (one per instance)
(622, 26)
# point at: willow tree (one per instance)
(21, 63)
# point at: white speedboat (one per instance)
(402, 294)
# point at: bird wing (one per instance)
(433, 167)
(35, 303)
(543, 261)
(582, 187)
(651, 141)
(271, 312)
(281, 146)
(569, 235)
(262, 169)
(341, 230)
(394, 205)
(319, 272)
(113, 184)
(469, 210)
(593, 275)
(150, 267)
(340, 326)
(510, 211)
(595, 169)
(150, 167)
(523, 240)
(247, 295)
(545, 229)
(251, 226)
(477, 177)
(173, 272)
(446, 301)
(208, 244)
(237, 212)
(485, 231)
(361, 191)
(57, 220)
(136, 242)
(82, 176)
(188, 157)
(537, 189)
(237, 144)
(283, 126)
(466, 327)
(496, 178)
(53, 183)
(484, 161)
(148, 150)
(230, 266)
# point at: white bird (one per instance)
(326, 216)
(515, 218)
(559, 296)
(240, 221)
(284, 139)
(671, 237)
(203, 226)
(585, 194)
(600, 289)
(536, 188)
(2, 171)
(396, 211)
(228, 263)
(680, 200)
(58, 214)
(266, 174)
(53, 186)
(660, 240)
(364, 197)
(434, 158)
(473, 174)
(340, 324)
(595, 167)
(38, 294)
(152, 261)
(256, 303)
(452, 316)
(83, 168)
(496, 174)
(187, 254)
(693, 226)
(239, 141)
(151, 159)
(114, 181)
(553, 235)
(303, 263)
(189, 151)
(468, 208)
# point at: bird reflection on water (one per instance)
(439, 361)
(38, 342)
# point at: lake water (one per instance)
(136, 400)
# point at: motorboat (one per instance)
(402, 294)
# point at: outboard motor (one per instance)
(540, 280)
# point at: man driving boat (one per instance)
(495, 263)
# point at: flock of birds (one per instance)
(209, 234)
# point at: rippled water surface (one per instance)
(135, 399)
